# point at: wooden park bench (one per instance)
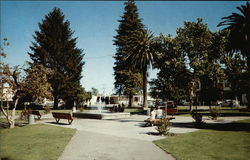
(59, 116)
(37, 113)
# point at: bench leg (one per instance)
(70, 121)
(39, 117)
(57, 120)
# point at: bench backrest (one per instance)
(62, 115)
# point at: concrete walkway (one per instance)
(94, 146)
(122, 139)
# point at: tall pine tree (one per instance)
(55, 48)
(127, 81)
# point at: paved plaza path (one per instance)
(121, 139)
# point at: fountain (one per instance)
(99, 111)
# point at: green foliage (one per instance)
(82, 96)
(202, 49)
(47, 110)
(36, 83)
(238, 25)
(55, 48)
(12, 78)
(163, 126)
(81, 109)
(25, 113)
(214, 113)
(173, 77)
(141, 56)
(236, 73)
(197, 117)
(127, 81)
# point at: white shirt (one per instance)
(152, 114)
(159, 113)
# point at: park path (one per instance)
(121, 139)
(95, 146)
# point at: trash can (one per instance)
(31, 119)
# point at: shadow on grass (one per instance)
(6, 125)
(234, 126)
(63, 124)
(221, 114)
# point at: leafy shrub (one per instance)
(214, 113)
(81, 109)
(163, 126)
(25, 114)
(47, 109)
(197, 117)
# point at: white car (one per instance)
(227, 103)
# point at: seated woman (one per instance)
(151, 119)
(159, 113)
(152, 114)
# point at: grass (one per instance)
(133, 110)
(36, 142)
(209, 144)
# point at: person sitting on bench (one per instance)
(159, 113)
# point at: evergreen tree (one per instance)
(127, 81)
(55, 48)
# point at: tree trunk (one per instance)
(191, 98)
(55, 95)
(13, 114)
(130, 99)
(145, 98)
(248, 68)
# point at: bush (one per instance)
(214, 113)
(25, 114)
(163, 126)
(197, 117)
(81, 109)
(47, 109)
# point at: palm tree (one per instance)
(239, 36)
(142, 56)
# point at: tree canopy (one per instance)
(127, 81)
(55, 49)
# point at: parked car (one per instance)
(184, 103)
(227, 103)
(218, 102)
(35, 106)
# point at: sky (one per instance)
(95, 24)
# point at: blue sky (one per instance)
(95, 23)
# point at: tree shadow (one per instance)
(63, 124)
(5, 125)
(233, 126)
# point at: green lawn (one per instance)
(133, 110)
(34, 142)
(209, 144)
